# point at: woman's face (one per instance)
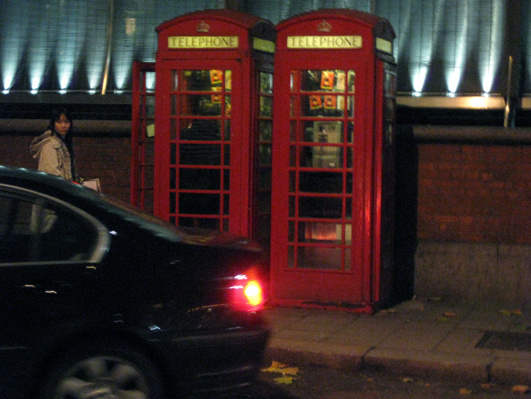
(62, 125)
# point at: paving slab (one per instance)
(366, 332)
(462, 340)
(418, 335)
(323, 321)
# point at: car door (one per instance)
(50, 253)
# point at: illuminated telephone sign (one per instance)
(202, 42)
(324, 42)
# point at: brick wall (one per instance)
(474, 193)
(464, 214)
(105, 157)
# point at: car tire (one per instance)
(104, 372)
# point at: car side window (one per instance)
(35, 230)
(15, 235)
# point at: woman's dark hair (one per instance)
(56, 115)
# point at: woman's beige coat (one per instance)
(53, 155)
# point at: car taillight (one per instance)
(247, 293)
(253, 293)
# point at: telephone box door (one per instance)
(319, 155)
(200, 149)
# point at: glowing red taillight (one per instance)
(247, 294)
(253, 292)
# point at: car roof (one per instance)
(85, 198)
(39, 181)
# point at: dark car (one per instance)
(99, 300)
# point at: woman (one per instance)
(54, 148)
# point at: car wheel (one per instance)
(103, 372)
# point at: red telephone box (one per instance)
(333, 161)
(213, 122)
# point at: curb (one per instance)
(481, 367)
(433, 364)
(512, 371)
(335, 356)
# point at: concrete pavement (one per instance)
(428, 338)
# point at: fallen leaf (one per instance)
(275, 367)
(435, 299)
(289, 371)
(407, 379)
(521, 389)
(443, 319)
(281, 368)
(488, 385)
(464, 391)
(449, 314)
(284, 380)
(512, 312)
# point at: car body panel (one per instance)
(163, 290)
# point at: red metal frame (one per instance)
(384, 178)
(261, 182)
(320, 285)
(142, 142)
(182, 199)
